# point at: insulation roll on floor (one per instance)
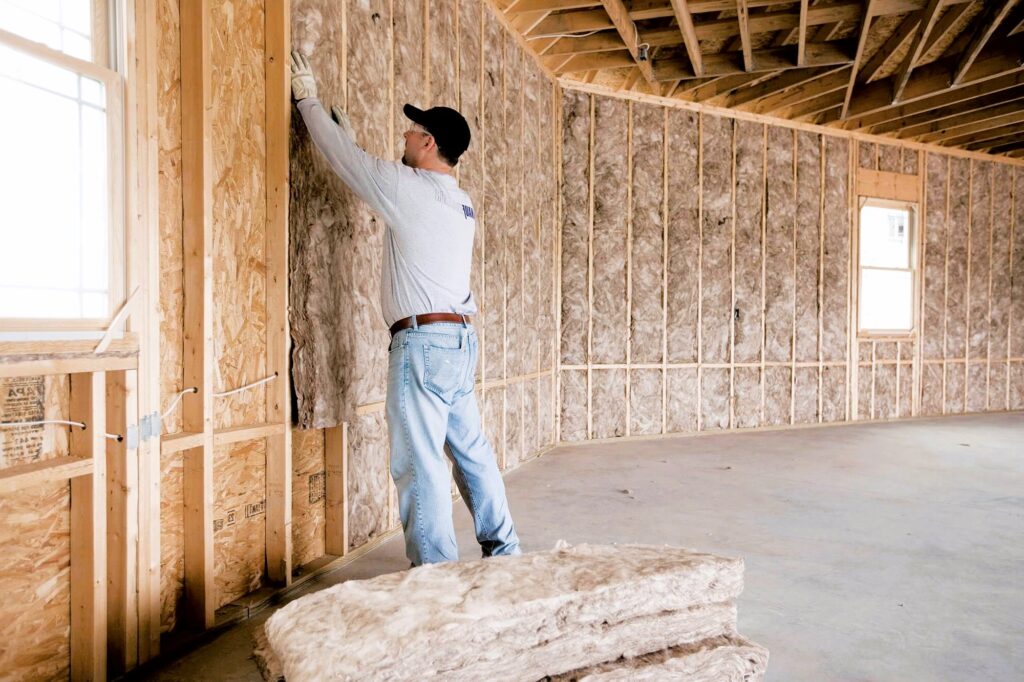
(586, 612)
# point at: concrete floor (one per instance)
(873, 552)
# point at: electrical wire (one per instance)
(246, 387)
(177, 399)
(564, 35)
(40, 422)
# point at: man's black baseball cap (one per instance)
(448, 127)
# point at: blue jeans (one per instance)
(430, 401)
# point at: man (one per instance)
(426, 301)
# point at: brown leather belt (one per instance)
(428, 318)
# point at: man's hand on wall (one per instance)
(303, 81)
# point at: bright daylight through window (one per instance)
(59, 223)
(886, 294)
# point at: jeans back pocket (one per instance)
(442, 371)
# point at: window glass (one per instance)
(886, 299)
(64, 25)
(884, 237)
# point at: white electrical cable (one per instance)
(81, 425)
(246, 387)
(564, 35)
(177, 399)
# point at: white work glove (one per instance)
(341, 118)
(303, 82)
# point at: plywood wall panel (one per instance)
(956, 386)
(1017, 268)
(833, 393)
(645, 393)
(956, 264)
(172, 297)
(980, 259)
(574, 405)
(933, 313)
(750, 183)
(808, 233)
(714, 399)
(320, 240)
(608, 321)
(682, 396)
(36, 537)
(239, 209)
(835, 293)
(647, 324)
(609, 403)
(576, 121)
(747, 397)
(805, 395)
(367, 478)
(443, 53)
(683, 233)
(716, 239)
(780, 221)
(239, 518)
(931, 389)
(309, 498)
(172, 538)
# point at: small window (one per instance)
(887, 263)
(61, 212)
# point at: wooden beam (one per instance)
(1012, 145)
(20, 476)
(771, 59)
(987, 24)
(743, 19)
(726, 84)
(595, 62)
(547, 6)
(685, 21)
(976, 121)
(949, 21)
(278, 393)
(197, 218)
(987, 138)
(778, 84)
(862, 40)
(801, 53)
(627, 30)
(336, 489)
(903, 33)
(89, 530)
(835, 82)
(886, 185)
(928, 17)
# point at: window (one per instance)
(61, 212)
(887, 261)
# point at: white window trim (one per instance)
(113, 81)
(915, 270)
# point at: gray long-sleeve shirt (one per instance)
(428, 241)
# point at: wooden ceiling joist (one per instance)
(834, 84)
(786, 80)
(801, 39)
(743, 19)
(771, 59)
(627, 30)
(997, 117)
(928, 17)
(685, 21)
(993, 15)
(862, 41)
(960, 114)
(988, 137)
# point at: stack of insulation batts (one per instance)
(589, 612)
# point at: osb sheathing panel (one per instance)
(36, 617)
(239, 518)
(714, 399)
(717, 240)
(443, 53)
(805, 395)
(833, 393)
(931, 389)
(320, 249)
(575, 226)
(645, 392)
(934, 276)
(956, 264)
(683, 404)
(955, 387)
(981, 221)
(368, 481)
(309, 487)
(608, 322)
(778, 386)
(999, 310)
(172, 538)
(750, 162)
(609, 403)
(513, 424)
(35, 534)
(683, 236)
(647, 251)
(808, 219)
(780, 221)
(835, 250)
(885, 391)
(574, 405)
(496, 225)
(172, 299)
(747, 396)
(1017, 269)
(239, 210)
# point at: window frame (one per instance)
(39, 328)
(913, 235)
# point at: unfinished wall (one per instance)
(435, 56)
(709, 288)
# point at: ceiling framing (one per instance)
(948, 72)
